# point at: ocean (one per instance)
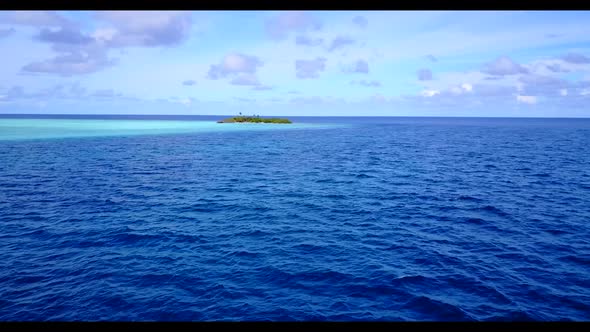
(178, 218)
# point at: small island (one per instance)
(253, 119)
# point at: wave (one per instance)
(366, 222)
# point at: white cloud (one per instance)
(430, 93)
(456, 90)
(262, 87)
(460, 89)
(361, 21)
(526, 99)
(306, 69)
(308, 41)
(339, 42)
(576, 58)
(71, 64)
(360, 66)
(104, 34)
(467, 87)
(245, 79)
(431, 58)
(279, 26)
(503, 66)
(35, 18)
(80, 53)
(367, 83)
(6, 32)
(234, 63)
(378, 98)
(144, 28)
(466, 42)
(424, 74)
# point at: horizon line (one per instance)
(304, 116)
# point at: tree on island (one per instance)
(254, 118)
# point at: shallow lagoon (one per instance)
(27, 129)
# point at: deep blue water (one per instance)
(382, 219)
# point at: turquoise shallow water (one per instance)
(27, 129)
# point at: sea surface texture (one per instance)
(337, 219)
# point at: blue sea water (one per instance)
(338, 219)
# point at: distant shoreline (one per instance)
(213, 116)
(254, 119)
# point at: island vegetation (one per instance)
(253, 119)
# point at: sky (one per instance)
(307, 63)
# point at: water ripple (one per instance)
(424, 221)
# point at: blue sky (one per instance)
(324, 63)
